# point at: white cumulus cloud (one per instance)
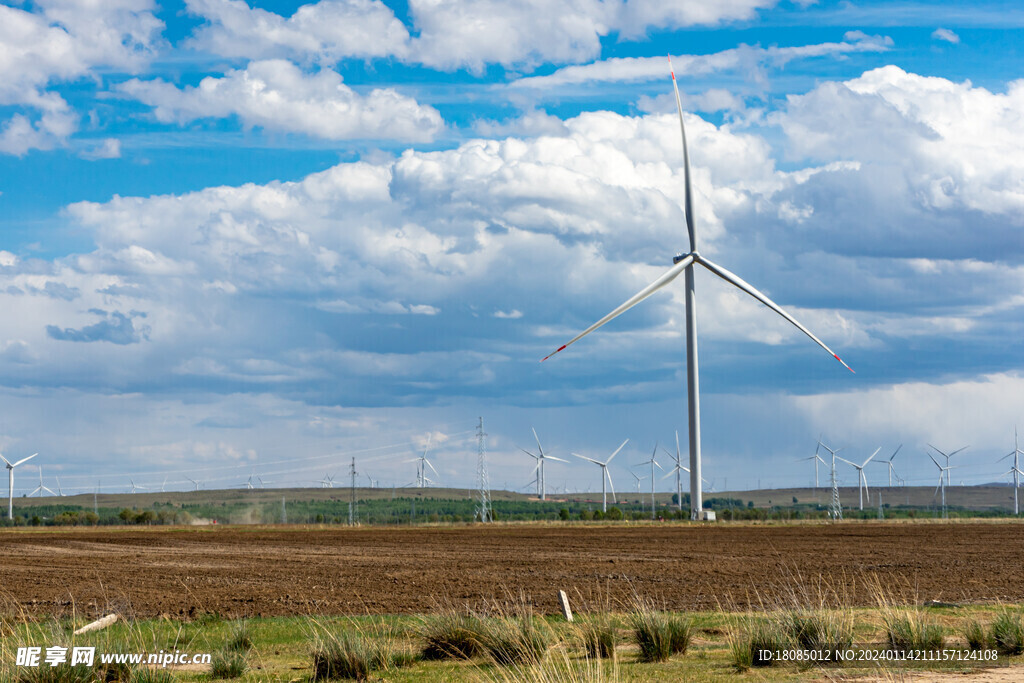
(277, 95)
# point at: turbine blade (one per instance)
(848, 462)
(670, 473)
(746, 287)
(522, 449)
(611, 486)
(10, 465)
(678, 455)
(872, 455)
(669, 275)
(24, 460)
(586, 458)
(431, 467)
(540, 449)
(895, 452)
(688, 197)
(934, 460)
(616, 452)
(551, 457)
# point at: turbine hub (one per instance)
(677, 258)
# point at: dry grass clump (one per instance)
(354, 653)
(974, 634)
(516, 640)
(756, 642)
(823, 632)
(1007, 633)
(559, 666)
(600, 636)
(658, 635)
(452, 635)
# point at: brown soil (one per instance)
(249, 571)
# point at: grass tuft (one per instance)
(749, 643)
(599, 636)
(908, 630)
(241, 638)
(1007, 633)
(975, 636)
(146, 675)
(354, 654)
(825, 632)
(516, 640)
(451, 635)
(657, 635)
(228, 664)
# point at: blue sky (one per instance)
(267, 237)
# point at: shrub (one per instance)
(1007, 633)
(452, 636)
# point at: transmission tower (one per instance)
(352, 496)
(484, 513)
(836, 509)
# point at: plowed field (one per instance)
(249, 571)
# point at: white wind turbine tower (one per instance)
(653, 463)
(540, 457)
(10, 479)
(638, 480)
(943, 471)
(947, 456)
(606, 477)
(196, 483)
(1015, 470)
(862, 480)
(41, 488)
(684, 263)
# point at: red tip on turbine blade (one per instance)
(670, 69)
(844, 364)
(553, 352)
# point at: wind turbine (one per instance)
(41, 488)
(888, 462)
(1015, 470)
(676, 470)
(942, 482)
(816, 458)
(540, 457)
(684, 263)
(60, 491)
(606, 477)
(862, 483)
(653, 463)
(194, 482)
(10, 479)
(947, 456)
(135, 486)
(326, 483)
(421, 464)
(638, 480)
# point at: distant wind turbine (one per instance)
(942, 481)
(41, 488)
(862, 484)
(1015, 470)
(684, 263)
(10, 479)
(947, 456)
(888, 462)
(816, 458)
(606, 477)
(653, 463)
(540, 456)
